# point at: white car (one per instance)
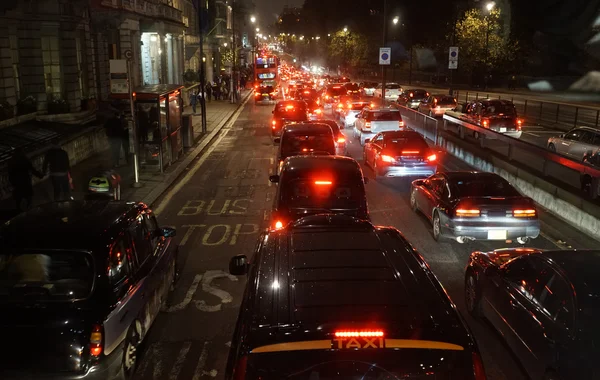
(576, 143)
(368, 88)
(392, 91)
(372, 121)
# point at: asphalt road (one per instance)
(218, 208)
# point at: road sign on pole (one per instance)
(385, 56)
(453, 58)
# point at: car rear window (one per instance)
(446, 100)
(352, 87)
(267, 89)
(484, 187)
(392, 86)
(384, 116)
(316, 190)
(405, 142)
(419, 94)
(369, 85)
(45, 275)
(305, 143)
(500, 108)
(337, 91)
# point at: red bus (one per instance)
(266, 69)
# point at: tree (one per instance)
(348, 49)
(496, 55)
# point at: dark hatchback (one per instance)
(288, 111)
(546, 306)
(299, 139)
(80, 286)
(475, 206)
(318, 184)
(334, 297)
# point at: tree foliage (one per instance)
(477, 54)
(348, 48)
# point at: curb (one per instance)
(183, 165)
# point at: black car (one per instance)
(400, 154)
(475, 206)
(412, 98)
(265, 94)
(81, 283)
(332, 94)
(545, 306)
(334, 297)
(318, 184)
(288, 111)
(305, 139)
(498, 115)
(341, 148)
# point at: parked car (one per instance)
(475, 206)
(81, 284)
(372, 121)
(437, 105)
(576, 143)
(545, 306)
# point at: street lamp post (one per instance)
(384, 39)
(489, 6)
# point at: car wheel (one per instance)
(130, 353)
(552, 148)
(413, 201)
(437, 226)
(472, 295)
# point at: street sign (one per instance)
(453, 58)
(128, 54)
(453, 65)
(385, 56)
(118, 76)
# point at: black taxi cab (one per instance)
(332, 296)
(81, 283)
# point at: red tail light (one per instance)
(357, 334)
(341, 140)
(239, 373)
(96, 341)
(528, 213)
(405, 152)
(257, 94)
(385, 158)
(461, 212)
(485, 123)
(274, 123)
(431, 158)
(368, 125)
(349, 106)
(340, 105)
(519, 124)
(278, 225)
(478, 369)
(318, 111)
(323, 183)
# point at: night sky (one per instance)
(268, 10)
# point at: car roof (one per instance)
(289, 102)
(335, 270)
(386, 109)
(306, 127)
(497, 101)
(395, 134)
(68, 225)
(307, 162)
(465, 175)
(589, 129)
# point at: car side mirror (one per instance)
(238, 265)
(277, 140)
(168, 232)
(274, 178)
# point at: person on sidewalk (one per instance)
(125, 137)
(114, 132)
(208, 91)
(193, 100)
(57, 160)
(20, 170)
(217, 91)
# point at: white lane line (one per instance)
(188, 296)
(199, 371)
(180, 360)
(175, 189)
(542, 234)
(532, 134)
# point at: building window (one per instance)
(52, 73)
(82, 63)
(14, 53)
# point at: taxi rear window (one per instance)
(400, 143)
(312, 191)
(315, 142)
(45, 276)
(384, 116)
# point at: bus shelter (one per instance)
(159, 118)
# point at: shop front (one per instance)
(159, 118)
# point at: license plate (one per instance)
(265, 95)
(497, 235)
(502, 129)
(357, 343)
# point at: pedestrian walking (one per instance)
(114, 132)
(512, 84)
(20, 170)
(217, 91)
(57, 161)
(208, 91)
(193, 100)
(224, 91)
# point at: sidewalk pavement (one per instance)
(153, 185)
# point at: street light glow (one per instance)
(328, 34)
(252, 19)
(395, 20)
(345, 29)
(225, 44)
(489, 6)
(257, 30)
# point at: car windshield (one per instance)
(487, 186)
(315, 190)
(45, 275)
(293, 144)
(392, 86)
(384, 116)
(501, 109)
(398, 144)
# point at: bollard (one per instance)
(576, 116)
(541, 105)
(525, 108)
(597, 117)
(476, 96)
(557, 111)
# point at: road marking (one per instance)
(555, 243)
(223, 239)
(179, 185)
(188, 233)
(180, 360)
(199, 371)
(532, 134)
(188, 296)
(207, 287)
(238, 231)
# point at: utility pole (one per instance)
(202, 63)
(233, 80)
(384, 39)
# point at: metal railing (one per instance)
(562, 116)
(539, 160)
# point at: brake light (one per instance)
(323, 183)
(239, 373)
(411, 94)
(431, 158)
(372, 105)
(257, 94)
(368, 125)
(357, 334)
(519, 124)
(485, 123)
(467, 212)
(274, 124)
(404, 152)
(340, 105)
(318, 111)
(341, 140)
(278, 224)
(326, 96)
(400, 124)
(349, 106)
(524, 213)
(96, 346)
(478, 369)
(289, 107)
(385, 158)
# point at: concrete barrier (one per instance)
(573, 209)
